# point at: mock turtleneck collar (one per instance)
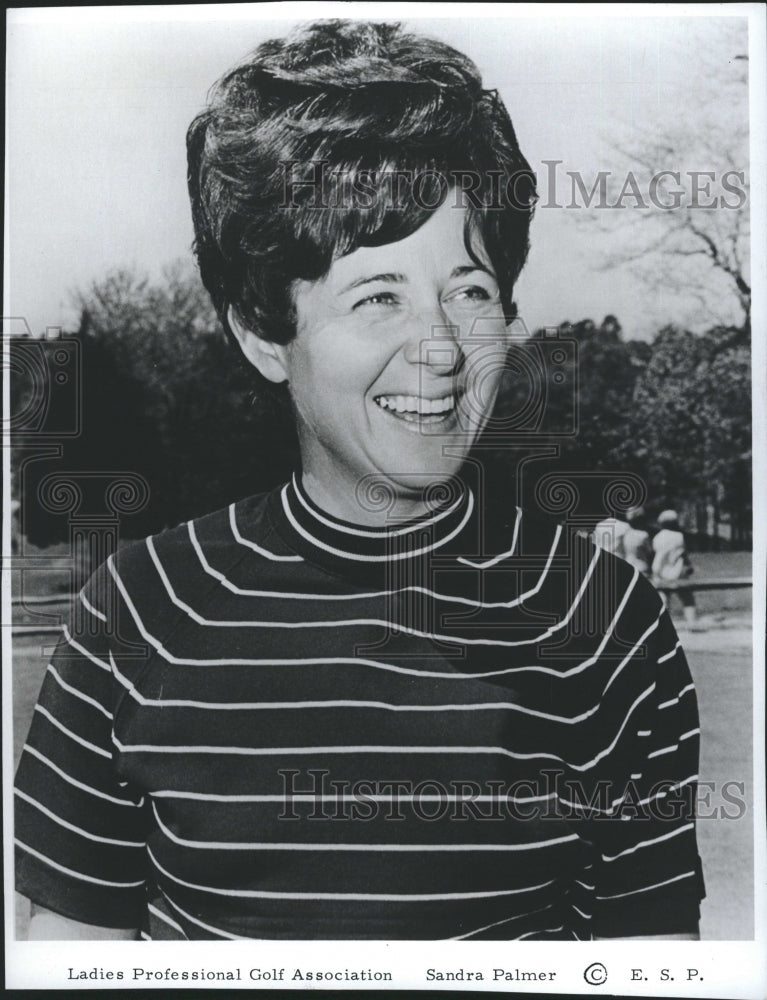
(344, 547)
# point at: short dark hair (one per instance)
(353, 102)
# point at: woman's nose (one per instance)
(433, 341)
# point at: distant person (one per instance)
(637, 548)
(671, 561)
(608, 535)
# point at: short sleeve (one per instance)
(647, 874)
(79, 831)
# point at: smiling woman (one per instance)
(367, 704)
(387, 372)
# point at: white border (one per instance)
(727, 969)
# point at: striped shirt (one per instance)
(269, 723)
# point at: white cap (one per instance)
(668, 517)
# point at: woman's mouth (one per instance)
(418, 411)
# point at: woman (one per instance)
(671, 563)
(637, 549)
(362, 706)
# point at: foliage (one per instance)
(164, 395)
(676, 413)
(693, 419)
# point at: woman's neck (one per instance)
(376, 502)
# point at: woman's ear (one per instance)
(265, 355)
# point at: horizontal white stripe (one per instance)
(166, 919)
(668, 656)
(663, 793)
(201, 923)
(674, 746)
(644, 732)
(347, 529)
(365, 595)
(629, 656)
(534, 590)
(226, 845)
(498, 923)
(287, 751)
(545, 930)
(648, 888)
(374, 896)
(257, 706)
(689, 733)
(252, 545)
(81, 649)
(74, 874)
(250, 623)
(389, 557)
(622, 798)
(79, 784)
(487, 563)
(71, 826)
(71, 735)
(89, 607)
(675, 701)
(311, 798)
(663, 750)
(78, 694)
(359, 661)
(383, 623)
(591, 808)
(648, 843)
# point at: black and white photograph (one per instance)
(383, 517)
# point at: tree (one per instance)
(586, 422)
(685, 225)
(165, 397)
(674, 414)
(692, 422)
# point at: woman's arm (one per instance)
(80, 833)
(45, 925)
(647, 874)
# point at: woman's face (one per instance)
(395, 365)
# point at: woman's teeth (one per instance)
(413, 407)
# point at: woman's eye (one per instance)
(377, 299)
(472, 294)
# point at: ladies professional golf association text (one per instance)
(533, 977)
(299, 974)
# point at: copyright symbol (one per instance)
(596, 974)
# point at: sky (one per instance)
(99, 99)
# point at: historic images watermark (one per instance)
(313, 794)
(313, 184)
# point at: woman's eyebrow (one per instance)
(401, 279)
(390, 277)
(459, 272)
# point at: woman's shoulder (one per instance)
(564, 548)
(216, 531)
